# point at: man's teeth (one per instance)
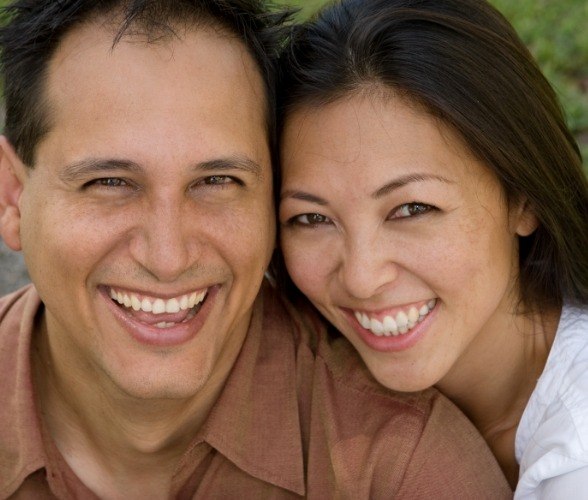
(158, 306)
(399, 324)
(165, 324)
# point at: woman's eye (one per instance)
(411, 210)
(309, 220)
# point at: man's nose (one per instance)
(367, 267)
(165, 246)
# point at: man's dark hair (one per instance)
(33, 29)
(462, 62)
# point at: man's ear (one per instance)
(12, 172)
(524, 218)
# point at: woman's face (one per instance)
(398, 235)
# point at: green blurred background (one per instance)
(556, 32)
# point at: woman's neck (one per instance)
(494, 379)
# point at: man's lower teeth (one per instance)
(165, 324)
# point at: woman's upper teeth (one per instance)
(397, 324)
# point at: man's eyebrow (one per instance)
(93, 166)
(231, 163)
(407, 179)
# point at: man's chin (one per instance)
(163, 385)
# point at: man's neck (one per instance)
(112, 441)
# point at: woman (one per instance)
(433, 208)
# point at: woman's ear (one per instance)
(12, 173)
(524, 219)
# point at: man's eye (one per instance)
(309, 220)
(411, 210)
(219, 180)
(108, 182)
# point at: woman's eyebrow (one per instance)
(302, 195)
(407, 179)
(380, 192)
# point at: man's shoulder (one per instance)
(16, 304)
(343, 382)
(371, 441)
(18, 425)
(16, 296)
(330, 373)
(321, 349)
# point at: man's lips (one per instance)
(157, 305)
(162, 312)
(162, 329)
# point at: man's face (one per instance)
(147, 222)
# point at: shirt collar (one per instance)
(255, 422)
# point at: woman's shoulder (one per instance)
(564, 380)
(568, 355)
(573, 324)
(552, 438)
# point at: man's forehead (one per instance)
(88, 59)
(110, 37)
(199, 88)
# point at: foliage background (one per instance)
(556, 32)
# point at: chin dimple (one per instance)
(157, 305)
(393, 325)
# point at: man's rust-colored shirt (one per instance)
(299, 416)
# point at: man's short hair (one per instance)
(33, 29)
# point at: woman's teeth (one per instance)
(401, 323)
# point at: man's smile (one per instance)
(160, 320)
(162, 312)
(157, 305)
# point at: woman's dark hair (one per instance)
(462, 62)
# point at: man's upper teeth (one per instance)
(157, 305)
(397, 324)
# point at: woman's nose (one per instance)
(367, 267)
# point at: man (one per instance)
(136, 178)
